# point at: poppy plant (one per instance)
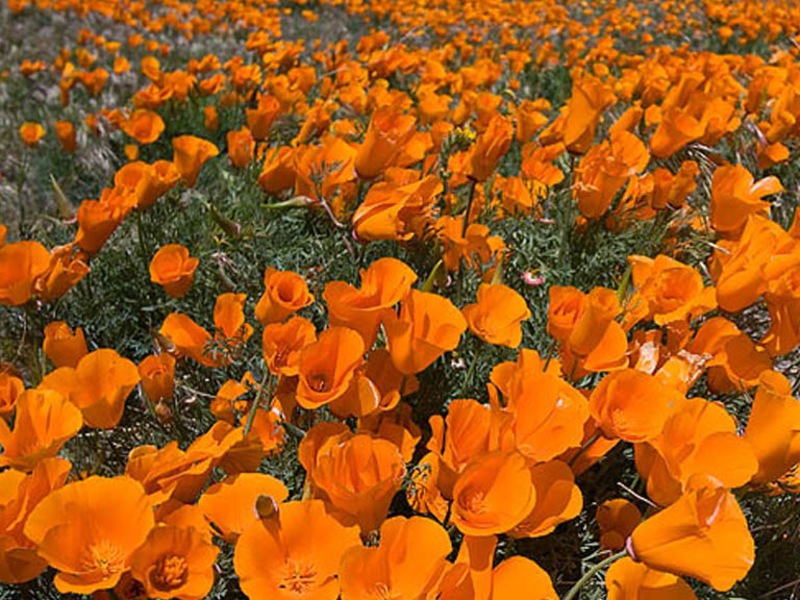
(427, 326)
(285, 293)
(190, 153)
(172, 268)
(88, 531)
(62, 346)
(175, 562)
(702, 535)
(326, 366)
(498, 315)
(293, 554)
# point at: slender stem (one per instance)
(471, 371)
(266, 381)
(575, 589)
(472, 185)
(586, 445)
(142, 243)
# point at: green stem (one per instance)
(586, 445)
(473, 184)
(267, 380)
(142, 244)
(471, 371)
(575, 589)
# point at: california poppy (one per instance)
(175, 562)
(498, 315)
(493, 494)
(241, 147)
(19, 561)
(31, 133)
(702, 535)
(21, 263)
(62, 346)
(632, 405)
(773, 430)
(157, 372)
(408, 563)
(283, 342)
(65, 131)
(383, 284)
(89, 529)
(98, 385)
(294, 554)
(359, 475)
(735, 195)
(627, 579)
(190, 154)
(231, 504)
(427, 326)
(145, 126)
(616, 519)
(327, 366)
(388, 132)
(44, 421)
(285, 293)
(172, 268)
(10, 389)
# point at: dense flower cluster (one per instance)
(428, 148)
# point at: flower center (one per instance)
(475, 503)
(318, 382)
(298, 578)
(170, 572)
(105, 557)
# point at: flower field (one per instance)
(374, 300)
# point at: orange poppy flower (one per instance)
(468, 427)
(293, 555)
(676, 129)
(31, 133)
(773, 430)
(241, 147)
(558, 500)
(627, 579)
(428, 325)
(99, 219)
(489, 148)
(63, 347)
(98, 385)
(68, 265)
(10, 389)
(145, 126)
(546, 414)
(172, 268)
(65, 131)
(590, 97)
(285, 293)
(597, 341)
(20, 494)
(326, 367)
(157, 372)
(187, 338)
(282, 344)
(385, 283)
(358, 474)
(278, 173)
(674, 291)
(616, 519)
(408, 563)
(632, 405)
(169, 472)
(517, 573)
(699, 438)
(21, 263)
(498, 315)
(702, 535)
(261, 118)
(493, 494)
(148, 182)
(190, 154)
(88, 531)
(175, 562)
(231, 504)
(735, 195)
(388, 132)
(395, 209)
(229, 319)
(44, 421)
